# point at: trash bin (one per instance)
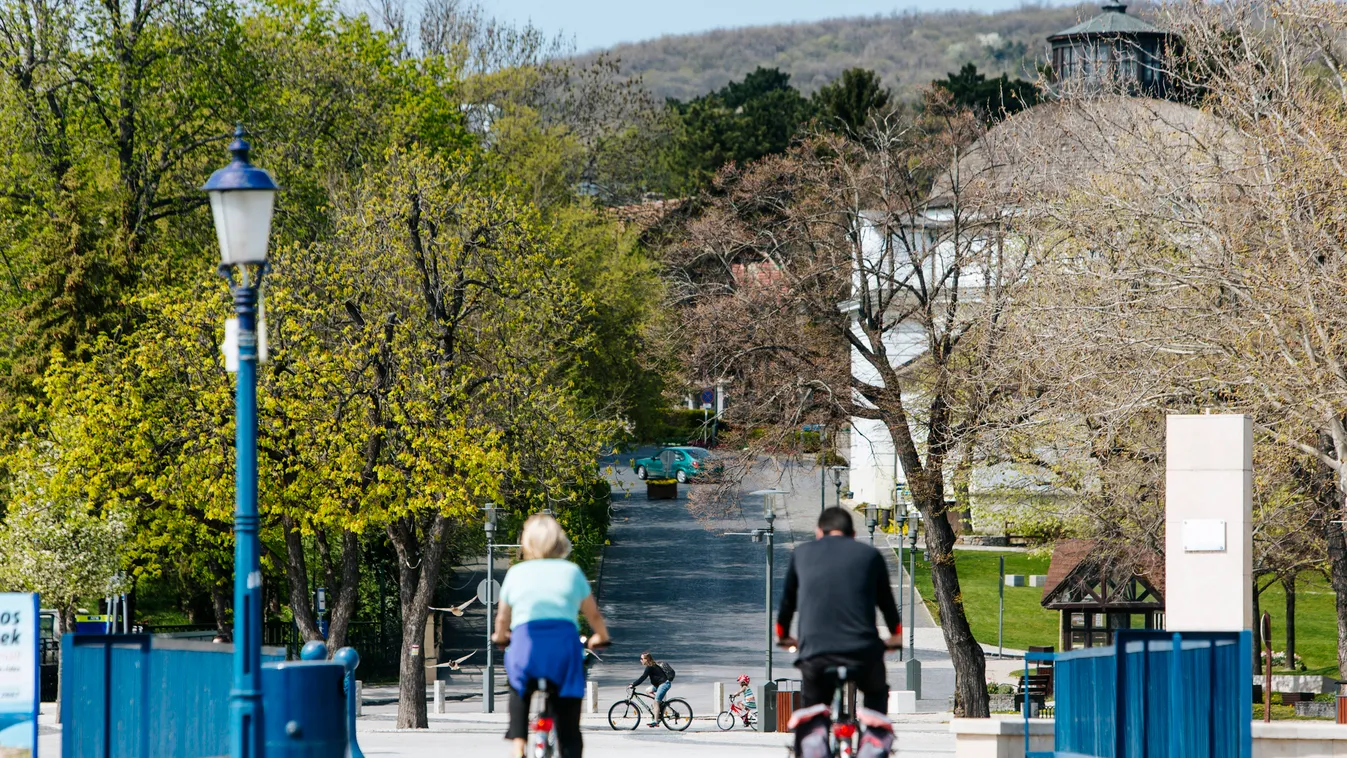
(787, 700)
(767, 707)
(1342, 702)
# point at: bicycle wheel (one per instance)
(624, 714)
(725, 721)
(677, 714)
(542, 746)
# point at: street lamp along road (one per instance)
(913, 665)
(766, 535)
(489, 681)
(871, 520)
(837, 482)
(241, 200)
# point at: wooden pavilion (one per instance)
(1098, 589)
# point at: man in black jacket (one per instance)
(835, 583)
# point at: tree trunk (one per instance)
(970, 665)
(1257, 627)
(347, 592)
(221, 599)
(419, 558)
(1337, 578)
(298, 579)
(65, 624)
(1289, 583)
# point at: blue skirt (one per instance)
(546, 649)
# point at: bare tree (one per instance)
(1203, 249)
(862, 279)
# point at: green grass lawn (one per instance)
(1316, 622)
(1027, 623)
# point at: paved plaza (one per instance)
(478, 735)
(695, 597)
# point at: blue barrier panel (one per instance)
(1154, 694)
(304, 709)
(137, 696)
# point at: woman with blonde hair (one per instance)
(539, 603)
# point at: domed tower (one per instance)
(1113, 51)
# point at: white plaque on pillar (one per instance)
(1203, 536)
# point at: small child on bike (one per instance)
(745, 694)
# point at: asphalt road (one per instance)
(681, 588)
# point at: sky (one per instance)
(603, 23)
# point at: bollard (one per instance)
(313, 650)
(305, 710)
(349, 660)
(359, 698)
(767, 707)
(591, 697)
(718, 696)
(439, 696)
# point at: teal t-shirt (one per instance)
(544, 589)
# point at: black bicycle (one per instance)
(629, 713)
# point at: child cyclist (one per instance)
(746, 698)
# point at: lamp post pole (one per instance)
(489, 681)
(771, 531)
(837, 482)
(245, 706)
(901, 653)
(913, 665)
(822, 471)
(766, 535)
(241, 198)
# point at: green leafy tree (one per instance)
(740, 123)
(992, 100)
(847, 103)
(463, 313)
(111, 110)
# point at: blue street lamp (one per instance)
(241, 199)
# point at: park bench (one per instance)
(1035, 689)
(1044, 667)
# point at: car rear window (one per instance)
(699, 454)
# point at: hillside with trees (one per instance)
(907, 50)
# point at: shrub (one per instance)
(1279, 661)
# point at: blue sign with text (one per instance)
(19, 699)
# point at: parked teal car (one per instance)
(683, 464)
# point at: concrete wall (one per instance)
(999, 738)
(1004, 738)
(1208, 532)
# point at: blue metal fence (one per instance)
(137, 696)
(1153, 694)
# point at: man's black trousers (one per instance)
(866, 669)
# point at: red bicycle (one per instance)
(738, 711)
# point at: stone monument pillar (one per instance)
(1208, 530)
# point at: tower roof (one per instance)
(1112, 22)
